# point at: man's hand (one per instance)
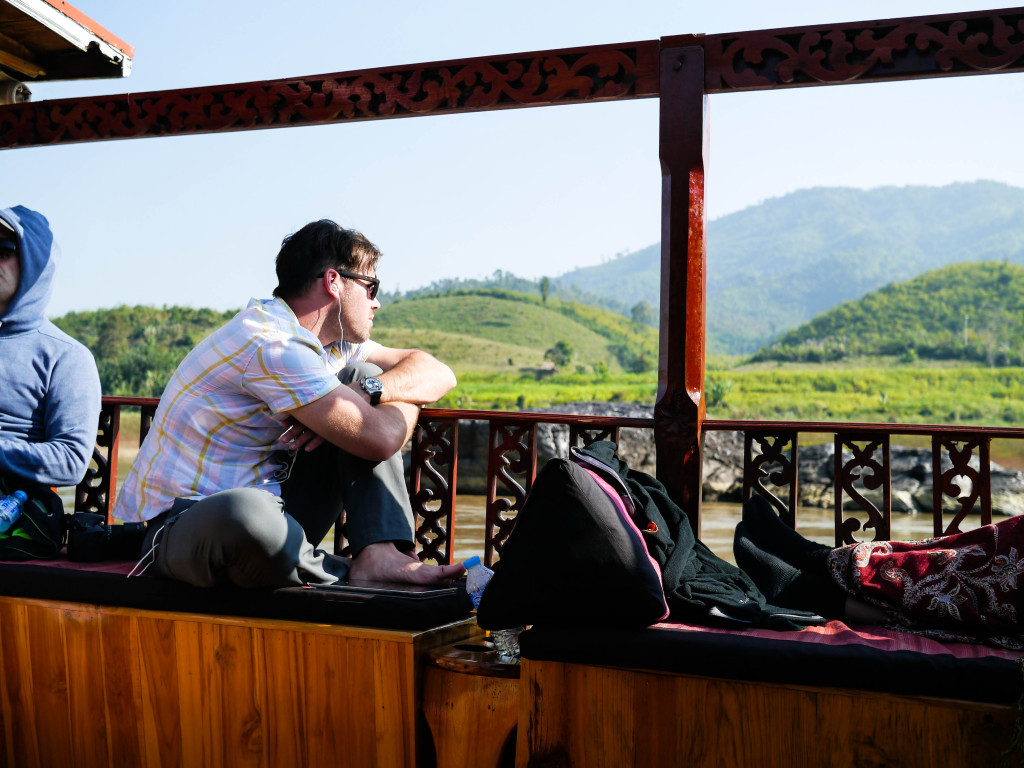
(344, 418)
(412, 376)
(298, 436)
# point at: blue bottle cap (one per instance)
(474, 560)
(20, 496)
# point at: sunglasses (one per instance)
(374, 283)
(8, 248)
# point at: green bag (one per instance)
(40, 531)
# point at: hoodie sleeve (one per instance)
(72, 409)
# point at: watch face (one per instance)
(372, 384)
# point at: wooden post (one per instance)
(679, 409)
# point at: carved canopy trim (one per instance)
(519, 80)
(933, 46)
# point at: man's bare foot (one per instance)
(383, 562)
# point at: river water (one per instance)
(718, 522)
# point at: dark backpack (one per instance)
(40, 531)
(575, 556)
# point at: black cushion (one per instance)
(736, 656)
(574, 557)
(385, 611)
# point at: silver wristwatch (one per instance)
(373, 387)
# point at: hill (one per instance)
(972, 311)
(490, 330)
(778, 264)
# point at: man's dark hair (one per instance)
(317, 247)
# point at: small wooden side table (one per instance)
(471, 702)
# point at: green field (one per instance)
(871, 391)
(516, 392)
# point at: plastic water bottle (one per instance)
(10, 509)
(504, 641)
(477, 576)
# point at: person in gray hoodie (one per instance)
(49, 387)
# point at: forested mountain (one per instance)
(780, 263)
(972, 311)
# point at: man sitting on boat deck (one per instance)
(281, 421)
(49, 388)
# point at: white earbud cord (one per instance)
(152, 549)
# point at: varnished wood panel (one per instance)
(20, 737)
(90, 686)
(470, 716)
(159, 702)
(394, 682)
(286, 720)
(589, 716)
(122, 691)
(47, 666)
(85, 689)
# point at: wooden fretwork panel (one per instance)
(770, 465)
(511, 468)
(862, 470)
(968, 487)
(435, 446)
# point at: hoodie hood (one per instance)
(38, 255)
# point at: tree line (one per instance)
(137, 348)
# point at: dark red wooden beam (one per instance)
(980, 42)
(933, 46)
(679, 407)
(569, 76)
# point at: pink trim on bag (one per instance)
(620, 505)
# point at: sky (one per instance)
(197, 220)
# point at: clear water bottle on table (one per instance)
(504, 641)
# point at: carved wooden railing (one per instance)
(862, 470)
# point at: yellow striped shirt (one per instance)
(220, 416)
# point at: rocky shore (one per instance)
(723, 464)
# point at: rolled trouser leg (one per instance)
(372, 494)
(377, 506)
(241, 537)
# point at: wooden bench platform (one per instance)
(587, 715)
(836, 695)
(91, 685)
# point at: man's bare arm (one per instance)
(344, 418)
(412, 376)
